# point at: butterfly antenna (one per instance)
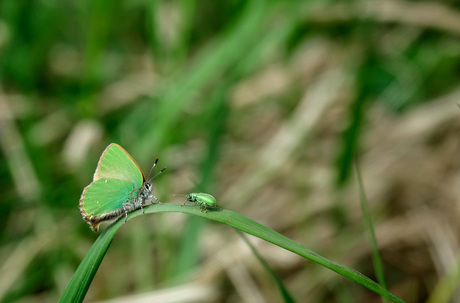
(158, 173)
(154, 164)
(150, 172)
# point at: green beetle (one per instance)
(202, 199)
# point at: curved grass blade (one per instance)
(83, 276)
(283, 290)
(79, 284)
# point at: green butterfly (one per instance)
(119, 187)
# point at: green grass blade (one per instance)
(83, 276)
(79, 284)
(283, 290)
(369, 226)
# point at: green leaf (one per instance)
(79, 284)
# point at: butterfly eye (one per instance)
(148, 186)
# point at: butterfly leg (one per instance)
(141, 199)
(156, 199)
(126, 213)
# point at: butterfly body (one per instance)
(119, 187)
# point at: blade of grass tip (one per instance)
(83, 276)
(283, 290)
(79, 284)
(246, 225)
(369, 226)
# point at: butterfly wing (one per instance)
(116, 163)
(105, 195)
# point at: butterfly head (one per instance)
(148, 188)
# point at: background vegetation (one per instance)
(264, 104)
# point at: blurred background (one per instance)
(265, 105)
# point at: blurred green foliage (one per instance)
(161, 78)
